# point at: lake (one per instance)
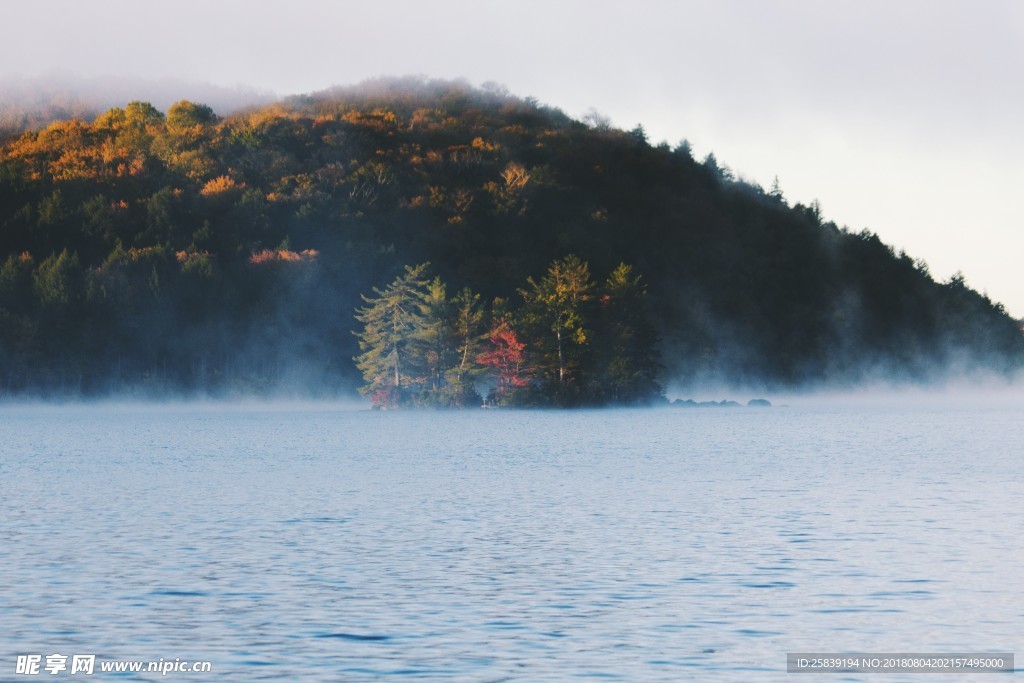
(316, 543)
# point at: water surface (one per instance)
(659, 545)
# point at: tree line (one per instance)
(569, 342)
(178, 251)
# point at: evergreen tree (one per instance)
(468, 335)
(431, 349)
(58, 280)
(391, 321)
(627, 362)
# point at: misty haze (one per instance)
(423, 379)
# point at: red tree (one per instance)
(505, 357)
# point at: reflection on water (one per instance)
(638, 545)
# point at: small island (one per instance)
(568, 343)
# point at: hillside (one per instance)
(179, 251)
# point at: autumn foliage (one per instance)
(505, 358)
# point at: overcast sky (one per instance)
(901, 116)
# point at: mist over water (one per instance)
(310, 542)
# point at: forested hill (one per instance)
(149, 251)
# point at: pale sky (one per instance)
(901, 116)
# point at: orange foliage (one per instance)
(265, 118)
(505, 357)
(186, 256)
(485, 145)
(515, 176)
(76, 164)
(61, 150)
(63, 135)
(110, 152)
(136, 166)
(282, 256)
(380, 120)
(132, 167)
(219, 185)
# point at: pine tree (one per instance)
(626, 364)
(468, 335)
(431, 350)
(391, 321)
